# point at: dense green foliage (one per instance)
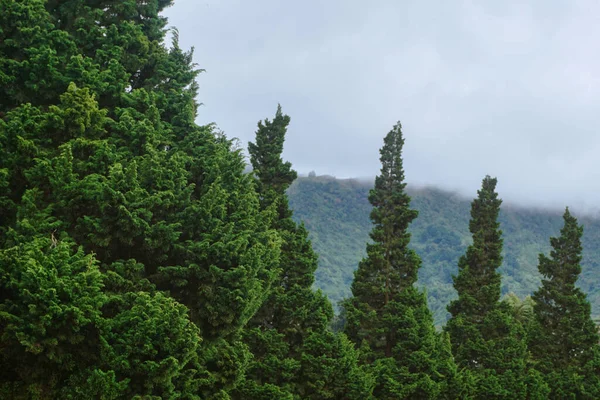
(336, 213)
(486, 340)
(295, 355)
(387, 316)
(563, 339)
(132, 247)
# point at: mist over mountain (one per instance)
(336, 213)
(581, 206)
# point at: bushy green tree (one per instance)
(563, 340)
(97, 133)
(387, 316)
(63, 336)
(50, 317)
(295, 355)
(485, 338)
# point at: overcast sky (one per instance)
(510, 88)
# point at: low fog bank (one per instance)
(510, 200)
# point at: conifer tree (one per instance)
(563, 340)
(485, 338)
(64, 335)
(97, 136)
(50, 315)
(387, 316)
(274, 175)
(295, 355)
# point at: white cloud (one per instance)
(506, 88)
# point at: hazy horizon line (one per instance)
(508, 201)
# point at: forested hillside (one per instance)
(336, 213)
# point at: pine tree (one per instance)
(295, 355)
(485, 338)
(563, 340)
(387, 317)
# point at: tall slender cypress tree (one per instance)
(295, 354)
(485, 338)
(387, 317)
(563, 340)
(391, 266)
(478, 281)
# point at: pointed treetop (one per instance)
(565, 257)
(486, 207)
(265, 155)
(392, 214)
(478, 282)
(392, 171)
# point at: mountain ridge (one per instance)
(507, 201)
(336, 213)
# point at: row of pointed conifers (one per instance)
(484, 351)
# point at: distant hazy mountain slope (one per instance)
(336, 212)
